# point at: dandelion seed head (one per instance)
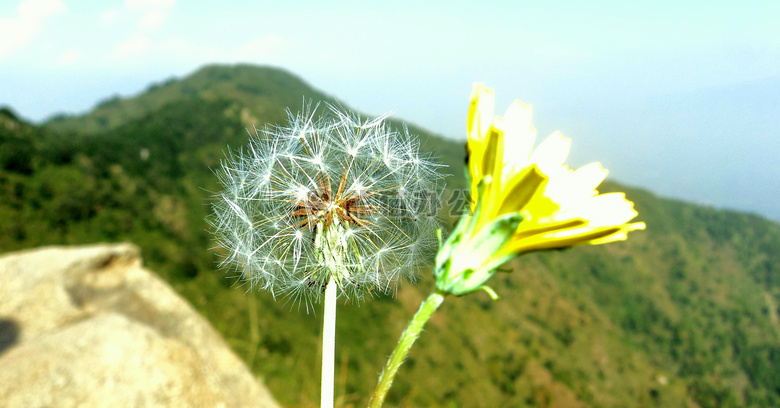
(328, 196)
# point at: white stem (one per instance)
(328, 345)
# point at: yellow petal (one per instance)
(491, 164)
(481, 111)
(589, 176)
(479, 121)
(521, 189)
(489, 187)
(606, 209)
(622, 235)
(520, 136)
(548, 227)
(562, 239)
(539, 209)
(551, 153)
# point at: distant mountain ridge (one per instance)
(256, 88)
(255, 95)
(680, 315)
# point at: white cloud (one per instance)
(34, 10)
(19, 31)
(69, 57)
(132, 47)
(133, 4)
(109, 16)
(153, 19)
(154, 12)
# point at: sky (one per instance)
(677, 97)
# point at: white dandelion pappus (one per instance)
(331, 196)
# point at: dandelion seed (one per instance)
(326, 198)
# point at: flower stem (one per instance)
(404, 344)
(328, 345)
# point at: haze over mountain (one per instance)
(683, 314)
(717, 146)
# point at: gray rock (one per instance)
(90, 327)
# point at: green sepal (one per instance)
(493, 295)
(464, 263)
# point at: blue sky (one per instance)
(607, 74)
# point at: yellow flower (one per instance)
(523, 199)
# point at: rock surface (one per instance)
(90, 327)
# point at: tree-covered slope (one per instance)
(683, 314)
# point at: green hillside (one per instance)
(681, 315)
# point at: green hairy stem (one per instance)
(404, 344)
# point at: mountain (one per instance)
(681, 315)
(246, 94)
(256, 90)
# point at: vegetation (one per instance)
(683, 314)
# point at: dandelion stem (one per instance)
(404, 345)
(328, 345)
